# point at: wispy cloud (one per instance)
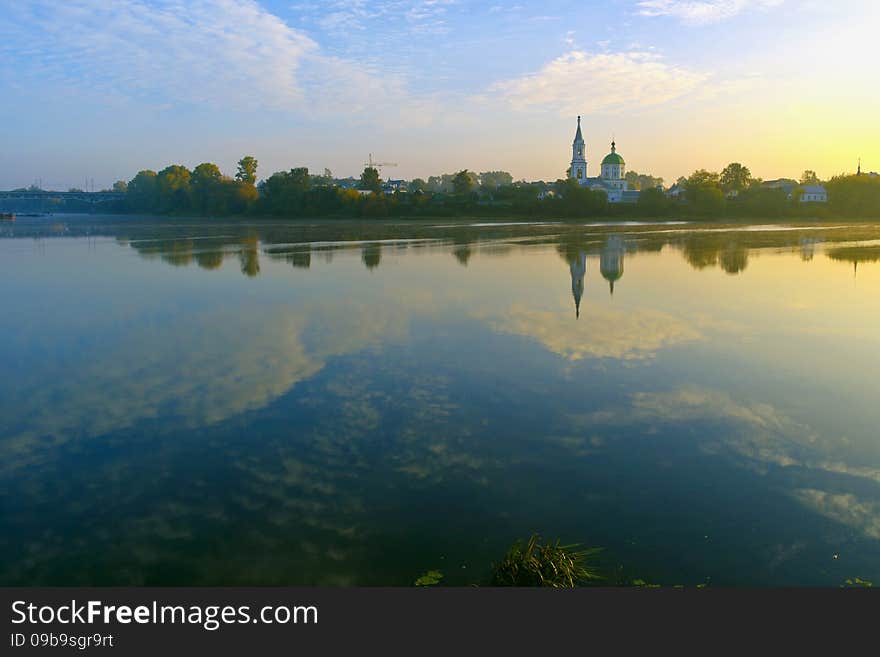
(230, 54)
(702, 12)
(340, 17)
(229, 51)
(580, 81)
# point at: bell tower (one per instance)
(579, 157)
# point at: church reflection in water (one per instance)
(611, 257)
(611, 261)
(578, 266)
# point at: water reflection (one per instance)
(578, 267)
(855, 254)
(724, 247)
(336, 421)
(371, 254)
(611, 261)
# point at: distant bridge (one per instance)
(43, 195)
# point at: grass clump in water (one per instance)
(430, 578)
(544, 564)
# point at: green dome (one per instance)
(613, 157)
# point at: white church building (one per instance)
(612, 178)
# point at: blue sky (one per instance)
(97, 89)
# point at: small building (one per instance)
(392, 186)
(813, 194)
(787, 185)
(676, 192)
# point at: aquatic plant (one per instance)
(544, 564)
(430, 578)
(856, 582)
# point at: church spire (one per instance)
(858, 173)
(578, 169)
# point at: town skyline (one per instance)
(436, 86)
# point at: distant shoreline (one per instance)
(462, 220)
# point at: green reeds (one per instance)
(545, 564)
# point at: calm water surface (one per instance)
(200, 402)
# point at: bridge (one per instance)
(44, 195)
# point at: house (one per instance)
(676, 192)
(785, 184)
(813, 194)
(392, 186)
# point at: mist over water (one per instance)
(207, 402)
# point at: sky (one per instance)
(96, 91)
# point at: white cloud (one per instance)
(340, 17)
(702, 12)
(581, 82)
(201, 51)
(225, 53)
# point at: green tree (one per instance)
(702, 179)
(240, 196)
(417, 185)
(285, 192)
(854, 196)
(370, 180)
(173, 186)
(809, 177)
(142, 191)
(324, 180)
(463, 183)
(642, 181)
(247, 170)
(120, 186)
(435, 184)
(206, 173)
(206, 186)
(735, 177)
(494, 179)
(764, 202)
(703, 193)
(576, 201)
(653, 203)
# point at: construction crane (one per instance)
(378, 165)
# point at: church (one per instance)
(612, 178)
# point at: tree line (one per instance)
(731, 193)
(734, 192)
